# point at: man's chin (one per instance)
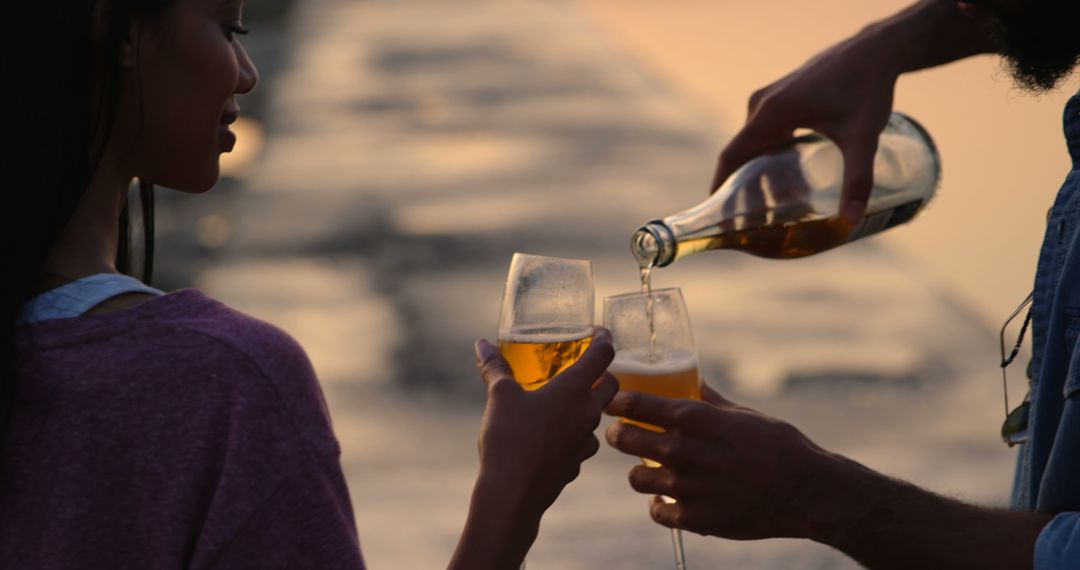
(1037, 75)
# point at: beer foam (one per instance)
(546, 335)
(639, 361)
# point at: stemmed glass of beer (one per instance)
(655, 354)
(547, 316)
(546, 322)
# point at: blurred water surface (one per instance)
(409, 147)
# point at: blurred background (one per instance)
(398, 152)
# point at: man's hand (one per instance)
(739, 474)
(846, 92)
(734, 473)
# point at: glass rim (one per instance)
(654, 293)
(557, 257)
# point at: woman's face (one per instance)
(182, 76)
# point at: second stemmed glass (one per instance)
(655, 354)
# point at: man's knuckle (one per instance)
(680, 487)
(685, 414)
(678, 449)
(757, 97)
(681, 517)
(667, 449)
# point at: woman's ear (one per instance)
(129, 49)
(100, 31)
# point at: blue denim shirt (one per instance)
(1048, 469)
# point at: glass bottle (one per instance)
(786, 203)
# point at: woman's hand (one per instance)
(532, 445)
(539, 439)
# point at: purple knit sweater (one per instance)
(176, 434)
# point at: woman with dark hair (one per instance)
(143, 429)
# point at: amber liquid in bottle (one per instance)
(785, 204)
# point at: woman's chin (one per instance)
(192, 182)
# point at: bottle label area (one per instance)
(885, 219)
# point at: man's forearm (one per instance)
(885, 524)
(926, 34)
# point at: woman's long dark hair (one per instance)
(61, 64)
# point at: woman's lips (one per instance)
(228, 139)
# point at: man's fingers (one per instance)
(591, 365)
(652, 480)
(858, 177)
(656, 410)
(665, 513)
(633, 440)
(604, 390)
(713, 397)
(491, 363)
(756, 136)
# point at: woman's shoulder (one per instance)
(192, 314)
(192, 350)
(178, 319)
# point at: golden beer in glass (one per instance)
(538, 355)
(654, 354)
(675, 375)
(547, 316)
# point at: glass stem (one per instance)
(676, 543)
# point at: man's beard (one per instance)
(1040, 42)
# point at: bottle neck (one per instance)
(654, 245)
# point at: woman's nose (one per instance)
(249, 76)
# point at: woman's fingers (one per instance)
(604, 390)
(491, 363)
(591, 364)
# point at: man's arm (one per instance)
(885, 524)
(736, 473)
(846, 92)
(926, 34)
